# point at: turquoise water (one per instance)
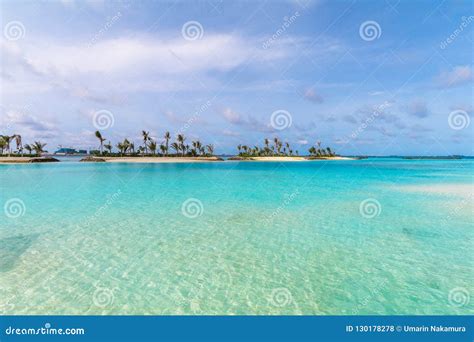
(375, 236)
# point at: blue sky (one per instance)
(364, 77)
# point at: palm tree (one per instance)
(101, 139)
(278, 145)
(108, 147)
(180, 138)
(210, 149)
(197, 146)
(163, 149)
(131, 147)
(176, 147)
(3, 144)
(121, 148)
(146, 137)
(152, 146)
(167, 138)
(126, 145)
(19, 145)
(7, 140)
(28, 148)
(38, 147)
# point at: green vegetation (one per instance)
(6, 146)
(151, 147)
(321, 152)
(276, 150)
(280, 149)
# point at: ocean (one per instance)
(380, 236)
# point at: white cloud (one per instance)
(29, 126)
(160, 63)
(458, 76)
(145, 55)
(418, 108)
(311, 95)
(232, 116)
(229, 133)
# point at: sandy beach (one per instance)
(333, 158)
(291, 159)
(279, 159)
(159, 159)
(25, 160)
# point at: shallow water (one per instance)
(375, 236)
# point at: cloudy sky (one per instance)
(364, 77)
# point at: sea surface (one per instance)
(373, 236)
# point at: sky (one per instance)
(363, 77)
